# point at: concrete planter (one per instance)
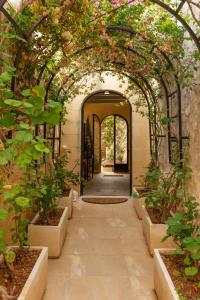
(67, 201)
(36, 283)
(137, 203)
(163, 284)
(49, 236)
(154, 233)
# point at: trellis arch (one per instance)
(175, 12)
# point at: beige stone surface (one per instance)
(52, 237)
(104, 257)
(66, 202)
(154, 233)
(37, 281)
(164, 286)
(137, 204)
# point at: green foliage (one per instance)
(16, 199)
(185, 229)
(22, 150)
(47, 193)
(152, 176)
(62, 176)
(168, 190)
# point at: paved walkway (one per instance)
(104, 257)
(105, 184)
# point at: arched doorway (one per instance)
(106, 140)
(114, 143)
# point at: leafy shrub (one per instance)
(169, 192)
(184, 227)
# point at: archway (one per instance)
(115, 143)
(108, 169)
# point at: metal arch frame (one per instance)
(173, 12)
(42, 18)
(153, 96)
(131, 31)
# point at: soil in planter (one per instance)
(15, 280)
(53, 220)
(186, 287)
(154, 214)
(66, 193)
(142, 192)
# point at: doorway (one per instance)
(114, 144)
(106, 156)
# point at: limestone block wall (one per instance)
(140, 129)
(191, 128)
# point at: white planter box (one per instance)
(67, 201)
(137, 204)
(163, 284)
(52, 237)
(36, 283)
(154, 233)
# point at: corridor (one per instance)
(108, 184)
(104, 257)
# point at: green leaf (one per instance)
(23, 202)
(12, 193)
(41, 148)
(179, 251)
(24, 136)
(3, 214)
(7, 120)
(25, 93)
(6, 76)
(23, 160)
(24, 126)
(187, 261)
(27, 105)
(15, 103)
(3, 160)
(10, 256)
(39, 91)
(196, 256)
(191, 271)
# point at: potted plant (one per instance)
(23, 269)
(160, 203)
(49, 226)
(177, 271)
(151, 180)
(65, 178)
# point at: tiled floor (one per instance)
(104, 184)
(104, 257)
